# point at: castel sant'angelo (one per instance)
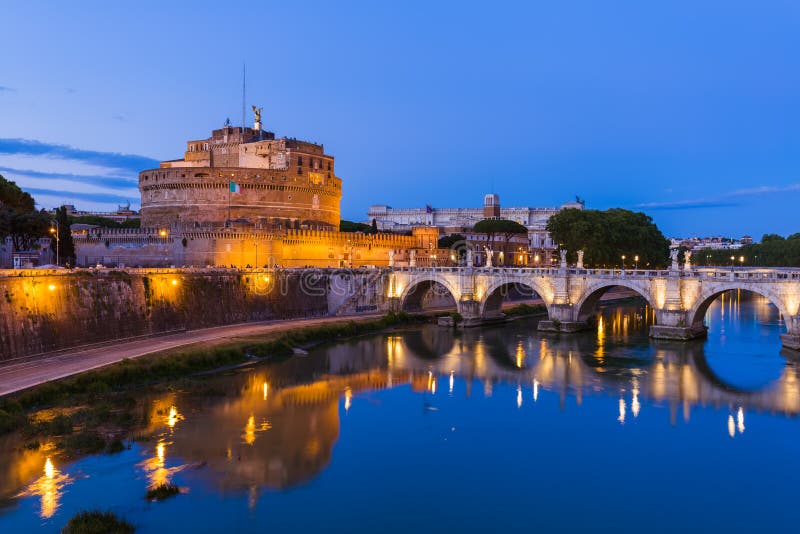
(241, 197)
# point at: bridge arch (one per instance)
(587, 304)
(418, 287)
(696, 315)
(492, 301)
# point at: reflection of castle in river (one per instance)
(277, 427)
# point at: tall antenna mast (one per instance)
(244, 84)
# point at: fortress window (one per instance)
(299, 160)
(329, 165)
(299, 170)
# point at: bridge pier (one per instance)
(791, 341)
(562, 319)
(677, 333)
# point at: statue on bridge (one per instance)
(470, 259)
(391, 257)
(412, 259)
(489, 256)
(563, 254)
(673, 255)
(580, 259)
(687, 261)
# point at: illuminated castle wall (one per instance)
(282, 183)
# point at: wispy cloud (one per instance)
(6, 89)
(687, 204)
(100, 181)
(75, 196)
(114, 160)
(725, 200)
(55, 173)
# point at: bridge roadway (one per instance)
(679, 297)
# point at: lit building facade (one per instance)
(459, 220)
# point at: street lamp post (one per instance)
(55, 232)
(636, 265)
(732, 260)
(623, 262)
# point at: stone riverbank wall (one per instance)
(42, 311)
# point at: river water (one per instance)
(487, 429)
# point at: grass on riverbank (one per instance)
(525, 309)
(106, 391)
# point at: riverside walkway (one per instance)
(32, 371)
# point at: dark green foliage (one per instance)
(86, 442)
(526, 309)
(605, 236)
(773, 251)
(97, 522)
(115, 446)
(457, 317)
(66, 247)
(449, 241)
(499, 228)
(350, 226)
(104, 222)
(162, 491)
(19, 218)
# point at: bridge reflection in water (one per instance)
(277, 426)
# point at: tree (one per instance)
(19, 218)
(374, 226)
(504, 227)
(606, 236)
(448, 241)
(66, 246)
(350, 226)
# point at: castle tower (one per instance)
(491, 206)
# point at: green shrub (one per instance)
(86, 442)
(97, 522)
(162, 491)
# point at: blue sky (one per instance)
(686, 110)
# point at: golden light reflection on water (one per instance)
(49, 488)
(621, 405)
(173, 417)
(635, 405)
(155, 468)
(520, 355)
(250, 430)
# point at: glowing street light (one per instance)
(623, 262)
(55, 232)
(636, 259)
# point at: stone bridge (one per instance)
(678, 297)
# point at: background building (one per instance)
(461, 220)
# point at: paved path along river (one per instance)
(28, 372)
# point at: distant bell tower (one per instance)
(491, 206)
